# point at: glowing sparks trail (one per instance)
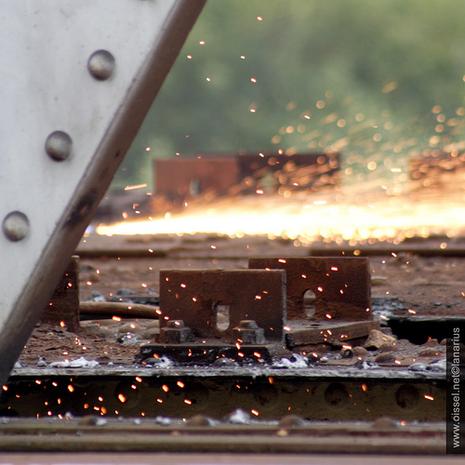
(356, 217)
(392, 184)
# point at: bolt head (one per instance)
(15, 226)
(58, 145)
(175, 324)
(175, 336)
(101, 64)
(249, 335)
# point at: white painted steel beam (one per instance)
(76, 80)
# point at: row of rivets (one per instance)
(58, 145)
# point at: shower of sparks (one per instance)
(349, 215)
(389, 187)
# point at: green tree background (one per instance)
(359, 75)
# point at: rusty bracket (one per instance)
(63, 308)
(342, 298)
(341, 285)
(208, 315)
(214, 302)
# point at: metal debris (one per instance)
(377, 339)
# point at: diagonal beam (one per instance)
(77, 80)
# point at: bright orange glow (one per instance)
(347, 213)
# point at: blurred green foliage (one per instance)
(375, 67)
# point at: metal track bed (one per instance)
(261, 393)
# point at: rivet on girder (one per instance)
(15, 226)
(101, 64)
(58, 145)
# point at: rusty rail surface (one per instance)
(200, 434)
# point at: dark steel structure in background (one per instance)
(183, 178)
